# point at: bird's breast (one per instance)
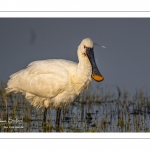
(79, 83)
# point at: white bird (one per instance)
(55, 83)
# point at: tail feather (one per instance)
(8, 90)
(13, 82)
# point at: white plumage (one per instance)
(53, 83)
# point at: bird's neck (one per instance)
(84, 67)
(83, 74)
(82, 78)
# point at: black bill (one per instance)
(96, 75)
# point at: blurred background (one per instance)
(123, 63)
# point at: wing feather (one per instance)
(45, 78)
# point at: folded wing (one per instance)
(45, 78)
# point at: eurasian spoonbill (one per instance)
(55, 83)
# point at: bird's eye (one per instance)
(84, 46)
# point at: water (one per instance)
(91, 112)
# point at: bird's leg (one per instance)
(44, 116)
(58, 117)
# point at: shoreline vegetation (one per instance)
(96, 111)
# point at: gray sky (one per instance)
(124, 62)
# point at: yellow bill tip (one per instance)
(97, 77)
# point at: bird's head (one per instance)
(86, 49)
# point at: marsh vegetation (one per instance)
(97, 111)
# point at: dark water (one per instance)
(89, 113)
